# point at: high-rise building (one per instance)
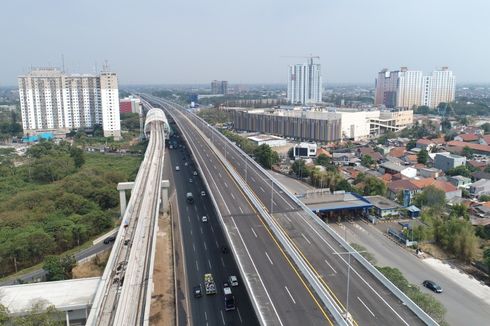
(219, 87)
(407, 88)
(305, 83)
(51, 100)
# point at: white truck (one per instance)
(209, 284)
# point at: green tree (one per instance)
(459, 211)
(299, 168)
(430, 197)
(367, 161)
(4, 315)
(265, 156)
(52, 168)
(486, 258)
(468, 152)
(483, 198)
(486, 127)
(372, 186)
(411, 144)
(78, 156)
(459, 170)
(422, 156)
(291, 153)
(59, 267)
(40, 314)
(323, 160)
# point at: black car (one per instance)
(109, 240)
(433, 286)
(197, 291)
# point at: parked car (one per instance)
(433, 286)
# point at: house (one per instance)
(429, 172)
(484, 140)
(397, 152)
(458, 146)
(393, 168)
(413, 211)
(383, 207)
(467, 138)
(480, 187)
(426, 144)
(397, 186)
(460, 181)
(480, 175)
(369, 151)
(480, 165)
(414, 186)
(345, 159)
(446, 162)
(450, 190)
(323, 151)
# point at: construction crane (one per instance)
(310, 57)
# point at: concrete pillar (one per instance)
(164, 196)
(122, 187)
(67, 316)
(122, 201)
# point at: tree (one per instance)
(486, 127)
(59, 267)
(291, 153)
(486, 258)
(370, 186)
(78, 156)
(459, 170)
(483, 198)
(52, 168)
(367, 161)
(40, 314)
(468, 152)
(323, 160)
(411, 144)
(431, 197)
(299, 168)
(265, 156)
(422, 156)
(459, 211)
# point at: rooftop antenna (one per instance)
(105, 66)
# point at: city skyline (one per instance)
(251, 49)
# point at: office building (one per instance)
(305, 83)
(408, 88)
(130, 104)
(51, 100)
(447, 161)
(219, 87)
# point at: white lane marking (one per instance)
(189, 218)
(252, 179)
(232, 196)
(226, 185)
(222, 262)
(217, 245)
(209, 263)
(197, 266)
(212, 229)
(239, 315)
(270, 260)
(205, 247)
(187, 209)
(202, 232)
(194, 247)
(287, 218)
(215, 167)
(191, 231)
(205, 316)
(219, 173)
(241, 210)
(255, 234)
(292, 299)
(304, 237)
(353, 269)
(195, 209)
(330, 266)
(261, 189)
(222, 317)
(366, 306)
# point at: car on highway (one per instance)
(204, 219)
(194, 173)
(177, 168)
(197, 291)
(233, 280)
(185, 164)
(190, 180)
(433, 286)
(203, 193)
(109, 240)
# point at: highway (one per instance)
(201, 244)
(123, 295)
(285, 296)
(368, 301)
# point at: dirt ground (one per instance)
(162, 311)
(94, 267)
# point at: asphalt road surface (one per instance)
(202, 244)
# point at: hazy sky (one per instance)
(244, 41)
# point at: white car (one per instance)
(185, 163)
(203, 193)
(177, 168)
(195, 173)
(204, 219)
(233, 280)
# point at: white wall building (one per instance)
(305, 83)
(51, 100)
(271, 140)
(409, 88)
(305, 150)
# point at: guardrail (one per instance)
(373, 270)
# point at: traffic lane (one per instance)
(392, 306)
(463, 307)
(212, 255)
(202, 309)
(272, 275)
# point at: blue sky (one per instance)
(245, 41)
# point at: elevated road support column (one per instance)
(122, 187)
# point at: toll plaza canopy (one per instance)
(323, 202)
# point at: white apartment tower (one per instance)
(51, 100)
(305, 83)
(407, 88)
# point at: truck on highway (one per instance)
(209, 284)
(189, 197)
(229, 299)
